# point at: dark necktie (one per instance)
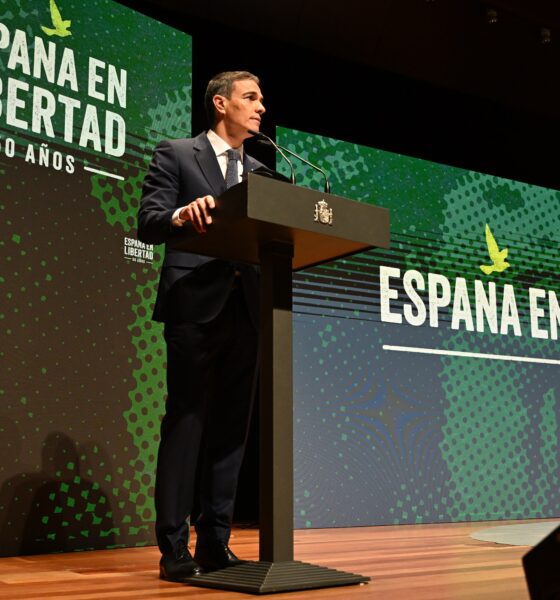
(232, 171)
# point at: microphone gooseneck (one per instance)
(265, 138)
(327, 184)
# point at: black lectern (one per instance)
(283, 228)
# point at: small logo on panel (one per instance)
(137, 251)
(60, 27)
(323, 214)
(497, 256)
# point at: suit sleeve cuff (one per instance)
(176, 221)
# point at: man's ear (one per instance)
(219, 104)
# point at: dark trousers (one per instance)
(210, 381)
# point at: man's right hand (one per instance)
(198, 213)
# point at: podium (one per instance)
(282, 228)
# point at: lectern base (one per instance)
(261, 577)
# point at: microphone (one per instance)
(262, 136)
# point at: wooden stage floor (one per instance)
(410, 562)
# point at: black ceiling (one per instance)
(445, 42)
(429, 78)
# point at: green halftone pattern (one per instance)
(486, 441)
(523, 218)
(376, 177)
(119, 200)
(85, 364)
(425, 438)
(171, 118)
(120, 203)
(24, 12)
(143, 417)
(549, 444)
(79, 509)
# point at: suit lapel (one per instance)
(208, 163)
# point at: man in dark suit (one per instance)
(209, 310)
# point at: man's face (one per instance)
(243, 110)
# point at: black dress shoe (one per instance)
(214, 556)
(178, 566)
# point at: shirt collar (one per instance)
(219, 145)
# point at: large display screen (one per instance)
(86, 90)
(427, 376)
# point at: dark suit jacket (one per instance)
(192, 287)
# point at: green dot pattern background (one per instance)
(387, 438)
(82, 388)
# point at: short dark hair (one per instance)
(221, 85)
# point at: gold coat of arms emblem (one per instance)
(323, 214)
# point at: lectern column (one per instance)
(276, 406)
